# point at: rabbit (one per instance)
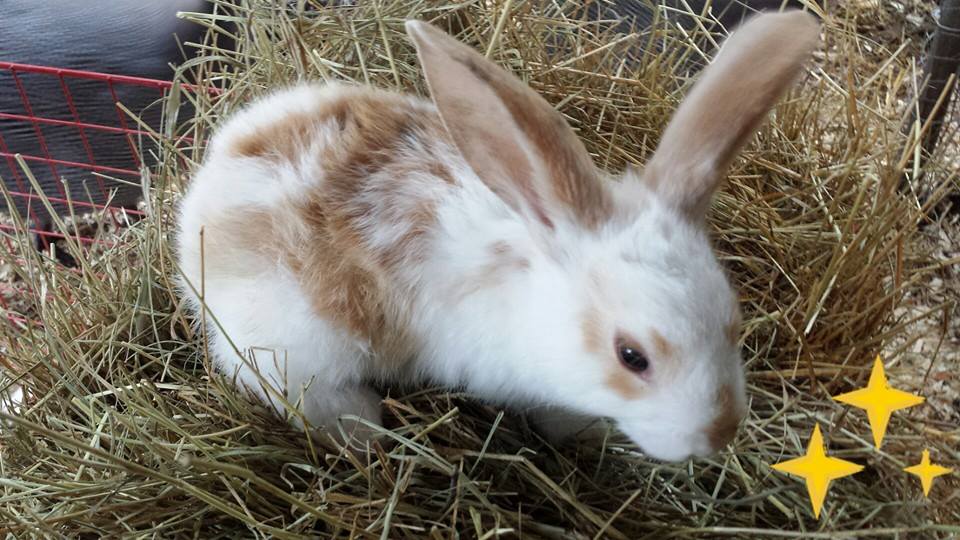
(337, 237)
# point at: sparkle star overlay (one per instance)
(927, 471)
(879, 400)
(818, 470)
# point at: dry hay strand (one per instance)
(126, 430)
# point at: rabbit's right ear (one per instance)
(728, 103)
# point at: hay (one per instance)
(126, 430)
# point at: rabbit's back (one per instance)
(316, 207)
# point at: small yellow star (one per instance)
(879, 400)
(927, 472)
(818, 470)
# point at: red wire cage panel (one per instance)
(69, 129)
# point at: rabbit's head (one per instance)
(626, 312)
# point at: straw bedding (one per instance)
(126, 430)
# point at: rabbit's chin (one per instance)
(671, 447)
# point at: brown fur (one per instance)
(624, 384)
(733, 329)
(250, 227)
(504, 258)
(286, 137)
(724, 426)
(592, 327)
(504, 262)
(664, 348)
(348, 277)
(733, 332)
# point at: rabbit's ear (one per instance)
(519, 145)
(733, 96)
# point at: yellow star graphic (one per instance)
(927, 472)
(879, 400)
(818, 470)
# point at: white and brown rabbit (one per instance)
(340, 235)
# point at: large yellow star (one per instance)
(879, 400)
(818, 470)
(927, 472)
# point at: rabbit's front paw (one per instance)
(349, 414)
(558, 425)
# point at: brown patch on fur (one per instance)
(341, 285)
(369, 186)
(624, 384)
(505, 257)
(441, 172)
(500, 248)
(724, 426)
(733, 332)
(230, 239)
(732, 329)
(287, 136)
(408, 248)
(663, 347)
(504, 262)
(592, 328)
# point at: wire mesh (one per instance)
(68, 127)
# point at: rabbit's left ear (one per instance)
(518, 144)
(733, 96)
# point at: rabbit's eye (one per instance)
(633, 358)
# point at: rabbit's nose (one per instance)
(722, 431)
(723, 428)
